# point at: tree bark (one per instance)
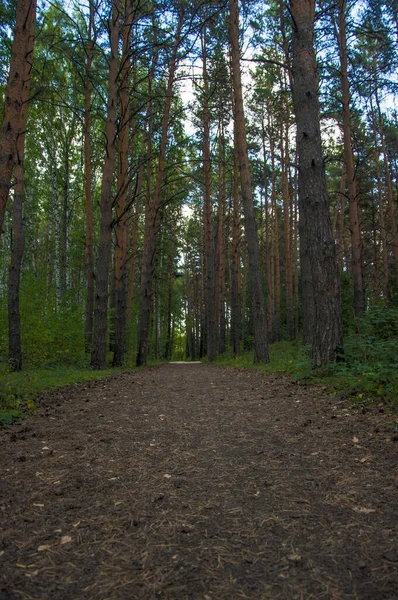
(287, 229)
(18, 235)
(211, 320)
(235, 268)
(98, 354)
(383, 231)
(152, 217)
(354, 209)
(14, 118)
(313, 197)
(390, 199)
(220, 246)
(258, 306)
(123, 205)
(88, 196)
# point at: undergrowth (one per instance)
(18, 391)
(368, 374)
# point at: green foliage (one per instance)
(370, 369)
(368, 373)
(285, 357)
(51, 335)
(18, 391)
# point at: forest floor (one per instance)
(190, 481)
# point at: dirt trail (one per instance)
(200, 482)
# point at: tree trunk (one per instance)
(98, 354)
(170, 280)
(235, 268)
(313, 197)
(258, 306)
(220, 246)
(152, 216)
(275, 267)
(287, 226)
(211, 319)
(123, 206)
(341, 221)
(88, 196)
(14, 117)
(354, 209)
(383, 231)
(390, 199)
(18, 234)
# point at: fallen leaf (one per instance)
(364, 510)
(76, 524)
(355, 440)
(365, 459)
(39, 505)
(45, 448)
(32, 573)
(43, 547)
(294, 557)
(167, 476)
(66, 539)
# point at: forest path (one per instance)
(201, 482)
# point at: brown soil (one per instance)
(195, 481)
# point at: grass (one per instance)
(366, 377)
(19, 391)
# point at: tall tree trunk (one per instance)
(56, 214)
(14, 117)
(152, 216)
(313, 197)
(170, 279)
(145, 160)
(341, 221)
(269, 246)
(98, 354)
(88, 196)
(295, 260)
(258, 306)
(287, 229)
(276, 269)
(390, 199)
(134, 240)
(18, 235)
(354, 209)
(220, 246)
(235, 267)
(383, 231)
(123, 206)
(211, 321)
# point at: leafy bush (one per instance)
(370, 368)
